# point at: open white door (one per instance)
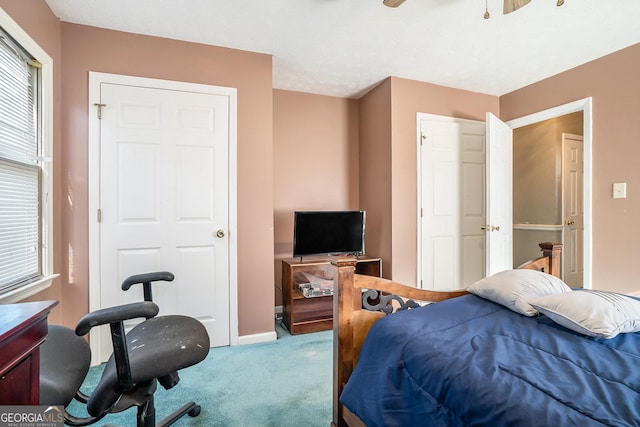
(499, 196)
(451, 181)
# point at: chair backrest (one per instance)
(64, 362)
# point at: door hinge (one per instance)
(99, 215)
(422, 137)
(100, 110)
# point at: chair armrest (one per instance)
(115, 317)
(146, 279)
(117, 314)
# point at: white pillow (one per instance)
(593, 313)
(515, 288)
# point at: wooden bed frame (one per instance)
(351, 322)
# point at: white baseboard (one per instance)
(257, 338)
(264, 336)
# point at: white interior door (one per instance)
(572, 209)
(452, 158)
(499, 196)
(164, 201)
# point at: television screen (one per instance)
(328, 233)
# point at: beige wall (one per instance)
(613, 84)
(315, 141)
(375, 172)
(386, 118)
(537, 169)
(79, 49)
(93, 49)
(396, 151)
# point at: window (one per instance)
(25, 166)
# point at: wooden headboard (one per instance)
(351, 322)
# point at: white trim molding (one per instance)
(537, 227)
(18, 294)
(586, 106)
(257, 338)
(47, 196)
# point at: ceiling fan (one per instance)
(508, 6)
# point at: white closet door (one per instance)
(164, 201)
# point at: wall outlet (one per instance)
(619, 190)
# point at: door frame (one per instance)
(95, 80)
(584, 105)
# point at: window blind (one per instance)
(20, 173)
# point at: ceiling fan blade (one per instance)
(392, 3)
(513, 5)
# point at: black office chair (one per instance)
(153, 351)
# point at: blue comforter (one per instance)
(470, 362)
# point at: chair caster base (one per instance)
(195, 411)
(192, 409)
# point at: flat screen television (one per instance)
(328, 233)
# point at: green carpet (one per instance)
(287, 382)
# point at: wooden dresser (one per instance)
(302, 315)
(23, 327)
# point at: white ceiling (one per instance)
(345, 47)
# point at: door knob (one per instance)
(495, 228)
(220, 234)
(570, 222)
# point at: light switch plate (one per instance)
(619, 190)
